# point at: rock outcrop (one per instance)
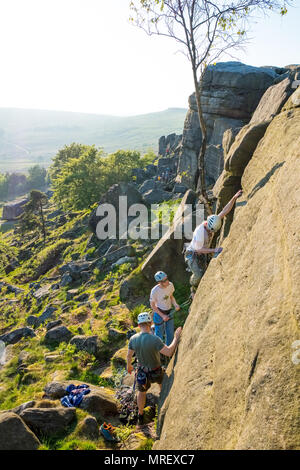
(12, 210)
(231, 92)
(15, 434)
(235, 359)
(241, 145)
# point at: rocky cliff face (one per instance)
(234, 383)
(231, 92)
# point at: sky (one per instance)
(85, 56)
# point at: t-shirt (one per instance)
(201, 239)
(146, 347)
(162, 296)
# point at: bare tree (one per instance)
(205, 30)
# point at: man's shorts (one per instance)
(155, 376)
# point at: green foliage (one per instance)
(136, 311)
(77, 444)
(36, 177)
(32, 218)
(64, 155)
(147, 444)
(79, 182)
(7, 252)
(147, 158)
(46, 259)
(81, 174)
(123, 432)
(89, 377)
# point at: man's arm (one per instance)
(169, 350)
(129, 357)
(156, 309)
(174, 303)
(206, 250)
(230, 204)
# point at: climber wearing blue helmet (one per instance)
(199, 247)
(161, 301)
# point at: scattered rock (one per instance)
(81, 297)
(24, 406)
(53, 324)
(124, 290)
(125, 259)
(42, 292)
(58, 334)
(91, 344)
(37, 321)
(48, 421)
(115, 334)
(15, 434)
(13, 209)
(156, 196)
(66, 279)
(52, 358)
(98, 400)
(71, 293)
(89, 428)
(16, 335)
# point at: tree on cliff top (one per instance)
(206, 30)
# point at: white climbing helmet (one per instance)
(160, 276)
(144, 317)
(214, 222)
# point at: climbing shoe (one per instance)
(107, 431)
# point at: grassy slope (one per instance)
(20, 385)
(34, 136)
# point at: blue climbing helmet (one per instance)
(160, 276)
(214, 222)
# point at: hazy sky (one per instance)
(83, 55)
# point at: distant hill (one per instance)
(30, 136)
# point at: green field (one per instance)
(29, 137)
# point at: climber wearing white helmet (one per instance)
(161, 301)
(202, 237)
(148, 349)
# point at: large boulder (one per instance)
(231, 93)
(36, 321)
(168, 144)
(48, 421)
(14, 209)
(272, 101)
(90, 344)
(243, 392)
(243, 147)
(15, 434)
(58, 334)
(15, 336)
(114, 255)
(156, 196)
(98, 400)
(240, 146)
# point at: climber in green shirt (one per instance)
(148, 348)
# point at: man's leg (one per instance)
(159, 326)
(197, 273)
(169, 325)
(141, 401)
